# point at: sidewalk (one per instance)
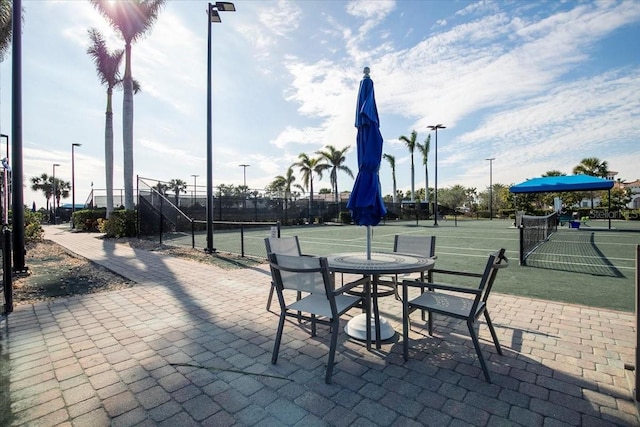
(191, 344)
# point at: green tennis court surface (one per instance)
(590, 266)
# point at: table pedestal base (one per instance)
(357, 328)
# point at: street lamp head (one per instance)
(56, 164)
(436, 127)
(75, 144)
(225, 6)
(492, 158)
(221, 6)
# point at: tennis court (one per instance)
(590, 266)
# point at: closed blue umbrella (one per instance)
(365, 202)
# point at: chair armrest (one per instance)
(455, 273)
(344, 288)
(440, 286)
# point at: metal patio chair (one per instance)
(320, 303)
(289, 245)
(462, 303)
(416, 245)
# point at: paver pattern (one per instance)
(191, 345)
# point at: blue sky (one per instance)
(537, 85)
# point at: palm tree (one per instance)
(108, 68)
(392, 162)
(553, 172)
(424, 149)
(177, 186)
(411, 145)
(43, 183)
(131, 19)
(594, 167)
(6, 26)
(335, 161)
(309, 166)
(63, 189)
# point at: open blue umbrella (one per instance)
(365, 202)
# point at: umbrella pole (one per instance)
(368, 242)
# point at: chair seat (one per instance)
(319, 304)
(452, 305)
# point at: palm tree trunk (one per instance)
(127, 130)
(108, 154)
(426, 187)
(413, 189)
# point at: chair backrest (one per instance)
(496, 261)
(283, 245)
(418, 245)
(305, 274)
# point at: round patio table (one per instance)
(378, 264)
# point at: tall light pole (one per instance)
(73, 181)
(6, 192)
(212, 17)
(53, 191)
(244, 174)
(491, 187)
(435, 187)
(195, 189)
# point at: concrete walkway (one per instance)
(191, 345)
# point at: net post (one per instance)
(521, 229)
(7, 273)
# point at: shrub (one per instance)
(33, 231)
(87, 219)
(121, 223)
(345, 217)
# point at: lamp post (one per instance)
(5, 164)
(195, 189)
(53, 191)
(73, 181)
(212, 17)
(435, 187)
(244, 185)
(491, 187)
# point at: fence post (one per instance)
(161, 213)
(242, 240)
(636, 395)
(6, 265)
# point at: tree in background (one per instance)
(335, 160)
(308, 167)
(620, 198)
(43, 183)
(594, 167)
(392, 162)
(131, 19)
(411, 145)
(6, 26)
(177, 186)
(108, 67)
(424, 149)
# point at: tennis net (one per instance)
(534, 231)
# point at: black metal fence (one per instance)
(181, 219)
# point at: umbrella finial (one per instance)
(366, 72)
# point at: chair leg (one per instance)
(313, 325)
(273, 286)
(406, 322)
(476, 344)
(430, 323)
(332, 350)
(405, 327)
(276, 346)
(493, 332)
